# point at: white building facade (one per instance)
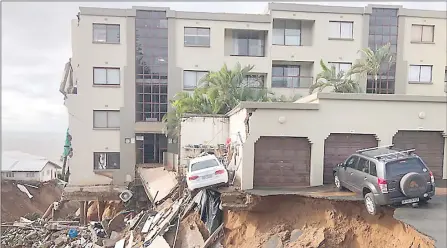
(128, 63)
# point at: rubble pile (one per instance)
(52, 234)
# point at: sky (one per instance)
(36, 44)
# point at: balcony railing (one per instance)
(291, 82)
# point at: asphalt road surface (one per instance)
(429, 219)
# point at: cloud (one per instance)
(36, 43)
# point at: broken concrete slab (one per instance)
(295, 235)
(159, 242)
(274, 242)
(158, 182)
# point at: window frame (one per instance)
(9, 174)
(107, 118)
(197, 81)
(249, 31)
(106, 71)
(338, 64)
(340, 30)
(422, 33)
(284, 35)
(355, 164)
(197, 35)
(420, 69)
(283, 67)
(30, 174)
(96, 166)
(248, 84)
(106, 28)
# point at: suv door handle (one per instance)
(352, 173)
(365, 179)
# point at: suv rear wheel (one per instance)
(370, 204)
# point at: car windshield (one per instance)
(204, 165)
(404, 166)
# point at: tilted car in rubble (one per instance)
(205, 171)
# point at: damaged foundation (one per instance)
(297, 221)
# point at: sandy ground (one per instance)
(16, 204)
(323, 223)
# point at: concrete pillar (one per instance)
(317, 161)
(86, 205)
(101, 208)
(82, 212)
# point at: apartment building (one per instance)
(127, 63)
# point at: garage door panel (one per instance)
(282, 162)
(338, 147)
(429, 145)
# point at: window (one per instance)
(106, 33)
(197, 37)
(286, 32)
(248, 43)
(420, 73)
(341, 30)
(9, 174)
(106, 160)
(363, 165)
(340, 66)
(422, 33)
(372, 169)
(352, 162)
(254, 81)
(204, 165)
(404, 166)
(191, 79)
(286, 76)
(106, 118)
(106, 76)
(30, 174)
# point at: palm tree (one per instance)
(340, 82)
(372, 62)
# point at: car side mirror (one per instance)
(342, 165)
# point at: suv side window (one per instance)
(363, 165)
(352, 162)
(372, 169)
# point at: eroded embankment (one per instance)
(317, 223)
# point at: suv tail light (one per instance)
(220, 172)
(192, 178)
(432, 178)
(382, 185)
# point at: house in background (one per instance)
(19, 166)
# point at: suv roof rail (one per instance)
(395, 154)
(373, 148)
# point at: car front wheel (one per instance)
(370, 204)
(337, 182)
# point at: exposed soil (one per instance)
(16, 204)
(323, 223)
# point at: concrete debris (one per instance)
(24, 190)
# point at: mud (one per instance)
(320, 222)
(16, 204)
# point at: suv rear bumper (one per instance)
(384, 199)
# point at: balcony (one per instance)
(292, 82)
(245, 43)
(292, 38)
(291, 78)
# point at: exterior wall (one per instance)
(48, 173)
(89, 97)
(202, 131)
(214, 57)
(237, 127)
(345, 119)
(21, 176)
(434, 54)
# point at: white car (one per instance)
(205, 171)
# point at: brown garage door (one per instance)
(339, 146)
(429, 146)
(281, 162)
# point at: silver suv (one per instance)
(386, 176)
